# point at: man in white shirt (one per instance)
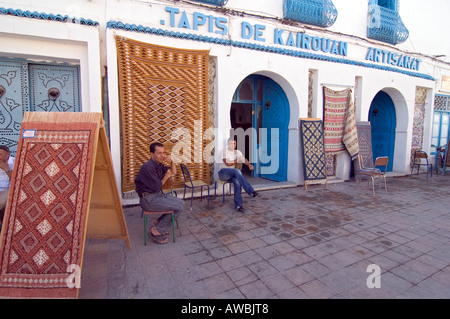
(229, 172)
(6, 168)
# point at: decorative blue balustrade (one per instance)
(219, 3)
(385, 25)
(321, 13)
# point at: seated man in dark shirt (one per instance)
(149, 181)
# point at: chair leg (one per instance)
(192, 196)
(373, 186)
(173, 227)
(215, 190)
(145, 229)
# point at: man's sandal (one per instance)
(159, 239)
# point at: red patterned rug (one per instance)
(44, 227)
(339, 123)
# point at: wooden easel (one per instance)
(105, 218)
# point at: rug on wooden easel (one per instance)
(314, 165)
(42, 235)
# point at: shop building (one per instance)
(190, 73)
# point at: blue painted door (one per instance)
(273, 148)
(54, 88)
(383, 121)
(34, 87)
(13, 102)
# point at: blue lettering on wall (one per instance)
(199, 20)
(392, 58)
(277, 39)
(259, 28)
(219, 25)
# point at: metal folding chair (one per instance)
(192, 184)
(374, 172)
(421, 159)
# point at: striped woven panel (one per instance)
(334, 109)
(339, 122)
(44, 228)
(314, 165)
(161, 90)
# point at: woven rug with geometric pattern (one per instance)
(314, 165)
(43, 229)
(163, 98)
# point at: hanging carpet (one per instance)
(163, 98)
(339, 122)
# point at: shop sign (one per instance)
(392, 58)
(258, 32)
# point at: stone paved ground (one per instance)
(291, 243)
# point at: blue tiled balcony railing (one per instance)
(385, 25)
(320, 13)
(219, 3)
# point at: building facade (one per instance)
(192, 73)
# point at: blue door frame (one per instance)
(268, 116)
(383, 120)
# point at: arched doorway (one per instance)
(383, 120)
(260, 111)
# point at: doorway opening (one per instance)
(260, 110)
(383, 121)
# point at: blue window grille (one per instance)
(219, 3)
(384, 24)
(320, 13)
(441, 122)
